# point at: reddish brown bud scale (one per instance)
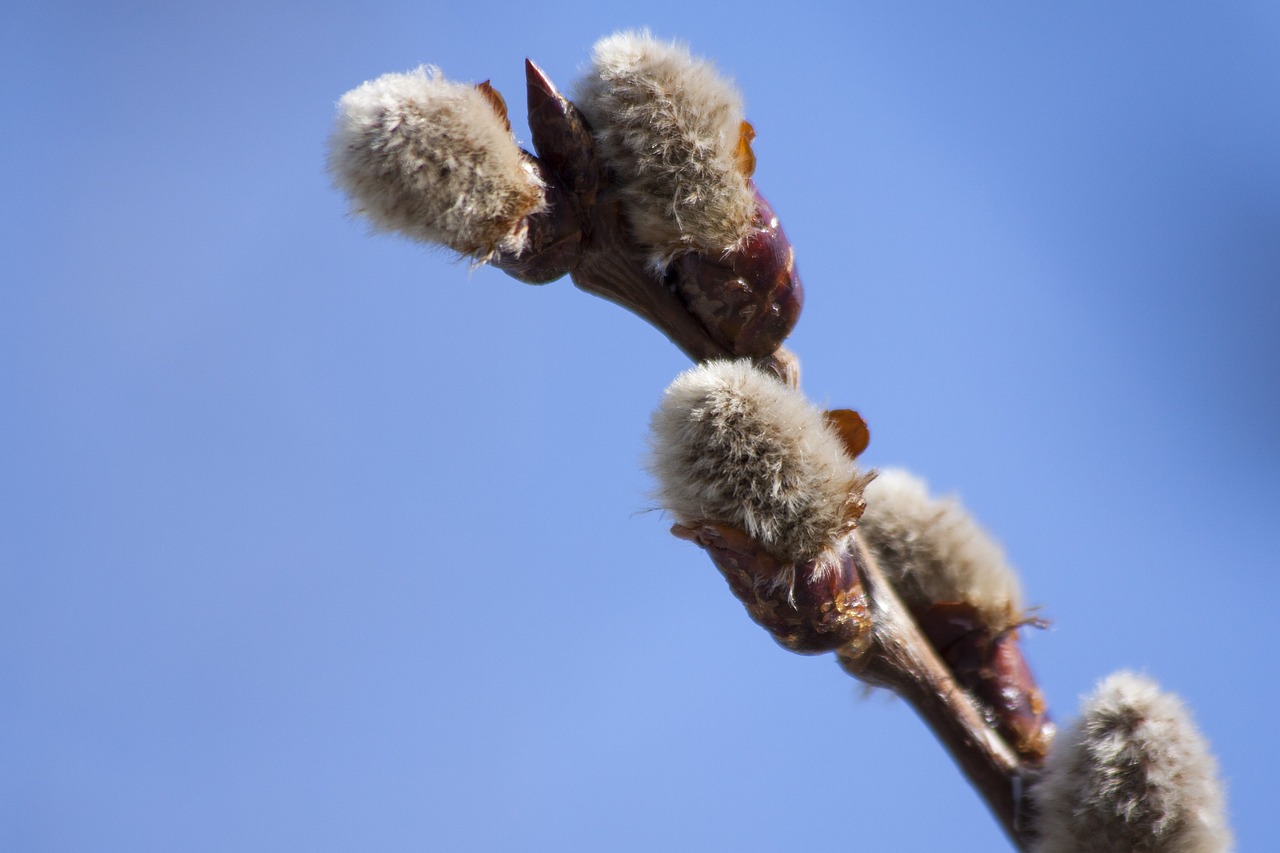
(992, 667)
(1008, 686)
(495, 99)
(851, 428)
(806, 611)
(745, 157)
(748, 299)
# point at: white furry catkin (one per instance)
(433, 160)
(1132, 774)
(934, 551)
(733, 445)
(669, 126)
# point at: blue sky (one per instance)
(314, 540)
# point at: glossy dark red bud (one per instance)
(804, 613)
(991, 666)
(566, 164)
(495, 99)
(561, 135)
(750, 299)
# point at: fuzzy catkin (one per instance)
(1132, 774)
(934, 551)
(669, 125)
(733, 445)
(433, 160)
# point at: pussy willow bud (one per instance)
(966, 598)
(1132, 774)
(669, 126)
(672, 133)
(435, 160)
(752, 471)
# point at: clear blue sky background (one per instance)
(312, 540)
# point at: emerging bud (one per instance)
(671, 128)
(1132, 774)
(755, 474)
(966, 598)
(435, 161)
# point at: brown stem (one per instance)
(807, 611)
(613, 268)
(987, 660)
(896, 655)
(855, 611)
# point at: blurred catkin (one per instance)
(1132, 774)
(934, 551)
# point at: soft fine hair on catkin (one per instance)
(1132, 774)
(934, 551)
(668, 125)
(731, 444)
(433, 160)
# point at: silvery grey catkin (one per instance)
(669, 126)
(433, 160)
(731, 444)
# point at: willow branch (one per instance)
(583, 233)
(895, 655)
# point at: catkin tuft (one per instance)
(1132, 774)
(934, 551)
(669, 126)
(433, 160)
(733, 445)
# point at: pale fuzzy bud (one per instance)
(1132, 774)
(671, 129)
(934, 551)
(733, 445)
(435, 161)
